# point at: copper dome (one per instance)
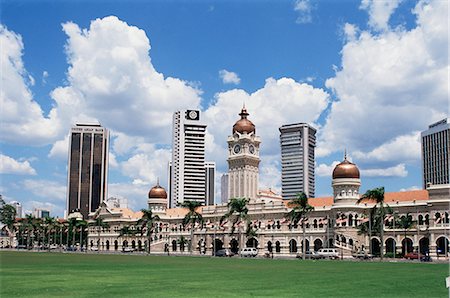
(157, 192)
(243, 125)
(346, 169)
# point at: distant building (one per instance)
(18, 208)
(88, 168)
(297, 160)
(210, 174)
(187, 170)
(436, 153)
(41, 213)
(224, 189)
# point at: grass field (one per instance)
(24, 274)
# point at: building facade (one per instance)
(243, 159)
(436, 153)
(298, 142)
(88, 168)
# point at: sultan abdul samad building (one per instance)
(333, 223)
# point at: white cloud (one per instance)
(380, 12)
(135, 194)
(404, 147)
(324, 170)
(46, 189)
(414, 187)
(229, 77)
(304, 9)
(386, 91)
(278, 102)
(60, 149)
(44, 77)
(147, 164)
(22, 118)
(270, 174)
(9, 165)
(396, 171)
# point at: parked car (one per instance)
(21, 246)
(310, 255)
(224, 253)
(71, 248)
(329, 253)
(127, 249)
(413, 256)
(362, 255)
(249, 252)
(94, 248)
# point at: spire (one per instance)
(157, 182)
(345, 154)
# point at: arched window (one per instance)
(125, 243)
(174, 245)
(427, 219)
(292, 246)
(116, 245)
(277, 246)
(278, 224)
(133, 244)
(350, 242)
(269, 246)
(315, 224)
(107, 244)
(446, 218)
(420, 219)
(350, 220)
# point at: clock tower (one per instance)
(243, 159)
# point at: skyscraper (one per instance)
(436, 153)
(18, 208)
(297, 159)
(210, 174)
(88, 167)
(187, 177)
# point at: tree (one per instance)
(49, 224)
(99, 224)
(147, 221)
(192, 217)
(8, 218)
(237, 207)
(82, 224)
(299, 212)
(379, 209)
(405, 223)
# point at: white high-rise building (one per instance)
(436, 153)
(87, 181)
(297, 160)
(187, 176)
(18, 208)
(243, 159)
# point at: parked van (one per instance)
(330, 253)
(249, 252)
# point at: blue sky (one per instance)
(370, 75)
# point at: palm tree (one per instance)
(81, 224)
(299, 212)
(236, 207)
(99, 224)
(192, 217)
(377, 195)
(72, 228)
(182, 242)
(8, 218)
(49, 223)
(405, 223)
(148, 220)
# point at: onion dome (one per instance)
(244, 125)
(157, 192)
(346, 169)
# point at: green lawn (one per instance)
(25, 274)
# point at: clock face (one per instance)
(237, 148)
(192, 114)
(251, 148)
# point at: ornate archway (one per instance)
(292, 246)
(407, 246)
(252, 242)
(234, 246)
(317, 244)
